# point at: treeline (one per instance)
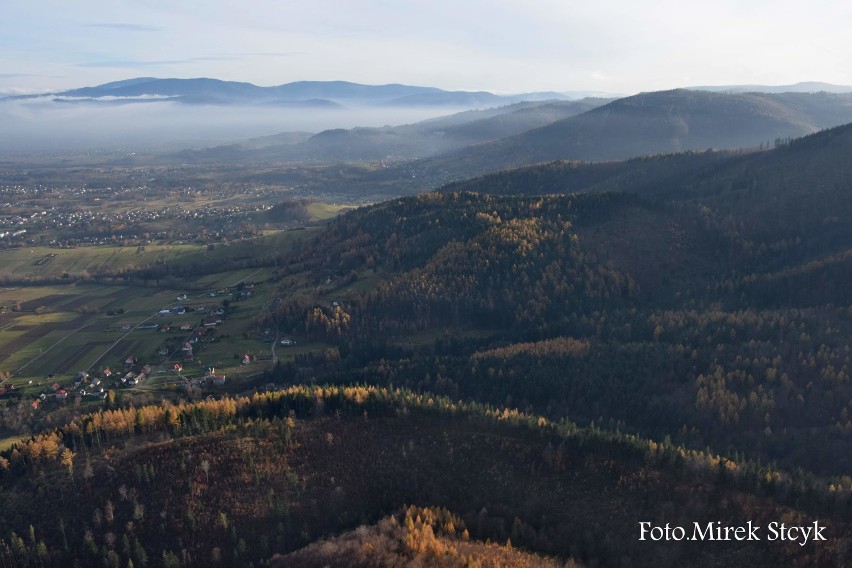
(99, 429)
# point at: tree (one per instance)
(67, 460)
(88, 471)
(205, 465)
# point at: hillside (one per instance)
(394, 143)
(419, 537)
(654, 123)
(795, 192)
(236, 481)
(649, 124)
(661, 316)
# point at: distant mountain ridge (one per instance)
(422, 139)
(214, 91)
(654, 123)
(802, 87)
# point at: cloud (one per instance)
(119, 63)
(124, 27)
(240, 56)
(133, 63)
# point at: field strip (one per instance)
(117, 341)
(244, 278)
(22, 367)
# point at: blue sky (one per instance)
(508, 46)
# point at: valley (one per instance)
(500, 337)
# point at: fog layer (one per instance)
(38, 125)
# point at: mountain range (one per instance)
(394, 143)
(653, 325)
(429, 154)
(653, 123)
(301, 93)
(803, 87)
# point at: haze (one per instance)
(503, 46)
(38, 125)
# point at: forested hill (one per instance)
(711, 307)
(418, 140)
(798, 190)
(234, 481)
(654, 123)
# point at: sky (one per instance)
(503, 46)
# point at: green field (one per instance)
(6, 443)
(62, 343)
(45, 262)
(321, 211)
(48, 333)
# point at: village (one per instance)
(102, 216)
(182, 330)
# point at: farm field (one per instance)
(39, 263)
(48, 334)
(52, 332)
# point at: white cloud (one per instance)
(500, 45)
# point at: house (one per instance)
(186, 327)
(218, 380)
(212, 321)
(247, 359)
(178, 367)
(60, 394)
(287, 342)
(181, 297)
(82, 376)
(35, 404)
(55, 386)
(165, 328)
(107, 373)
(164, 312)
(186, 347)
(131, 360)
